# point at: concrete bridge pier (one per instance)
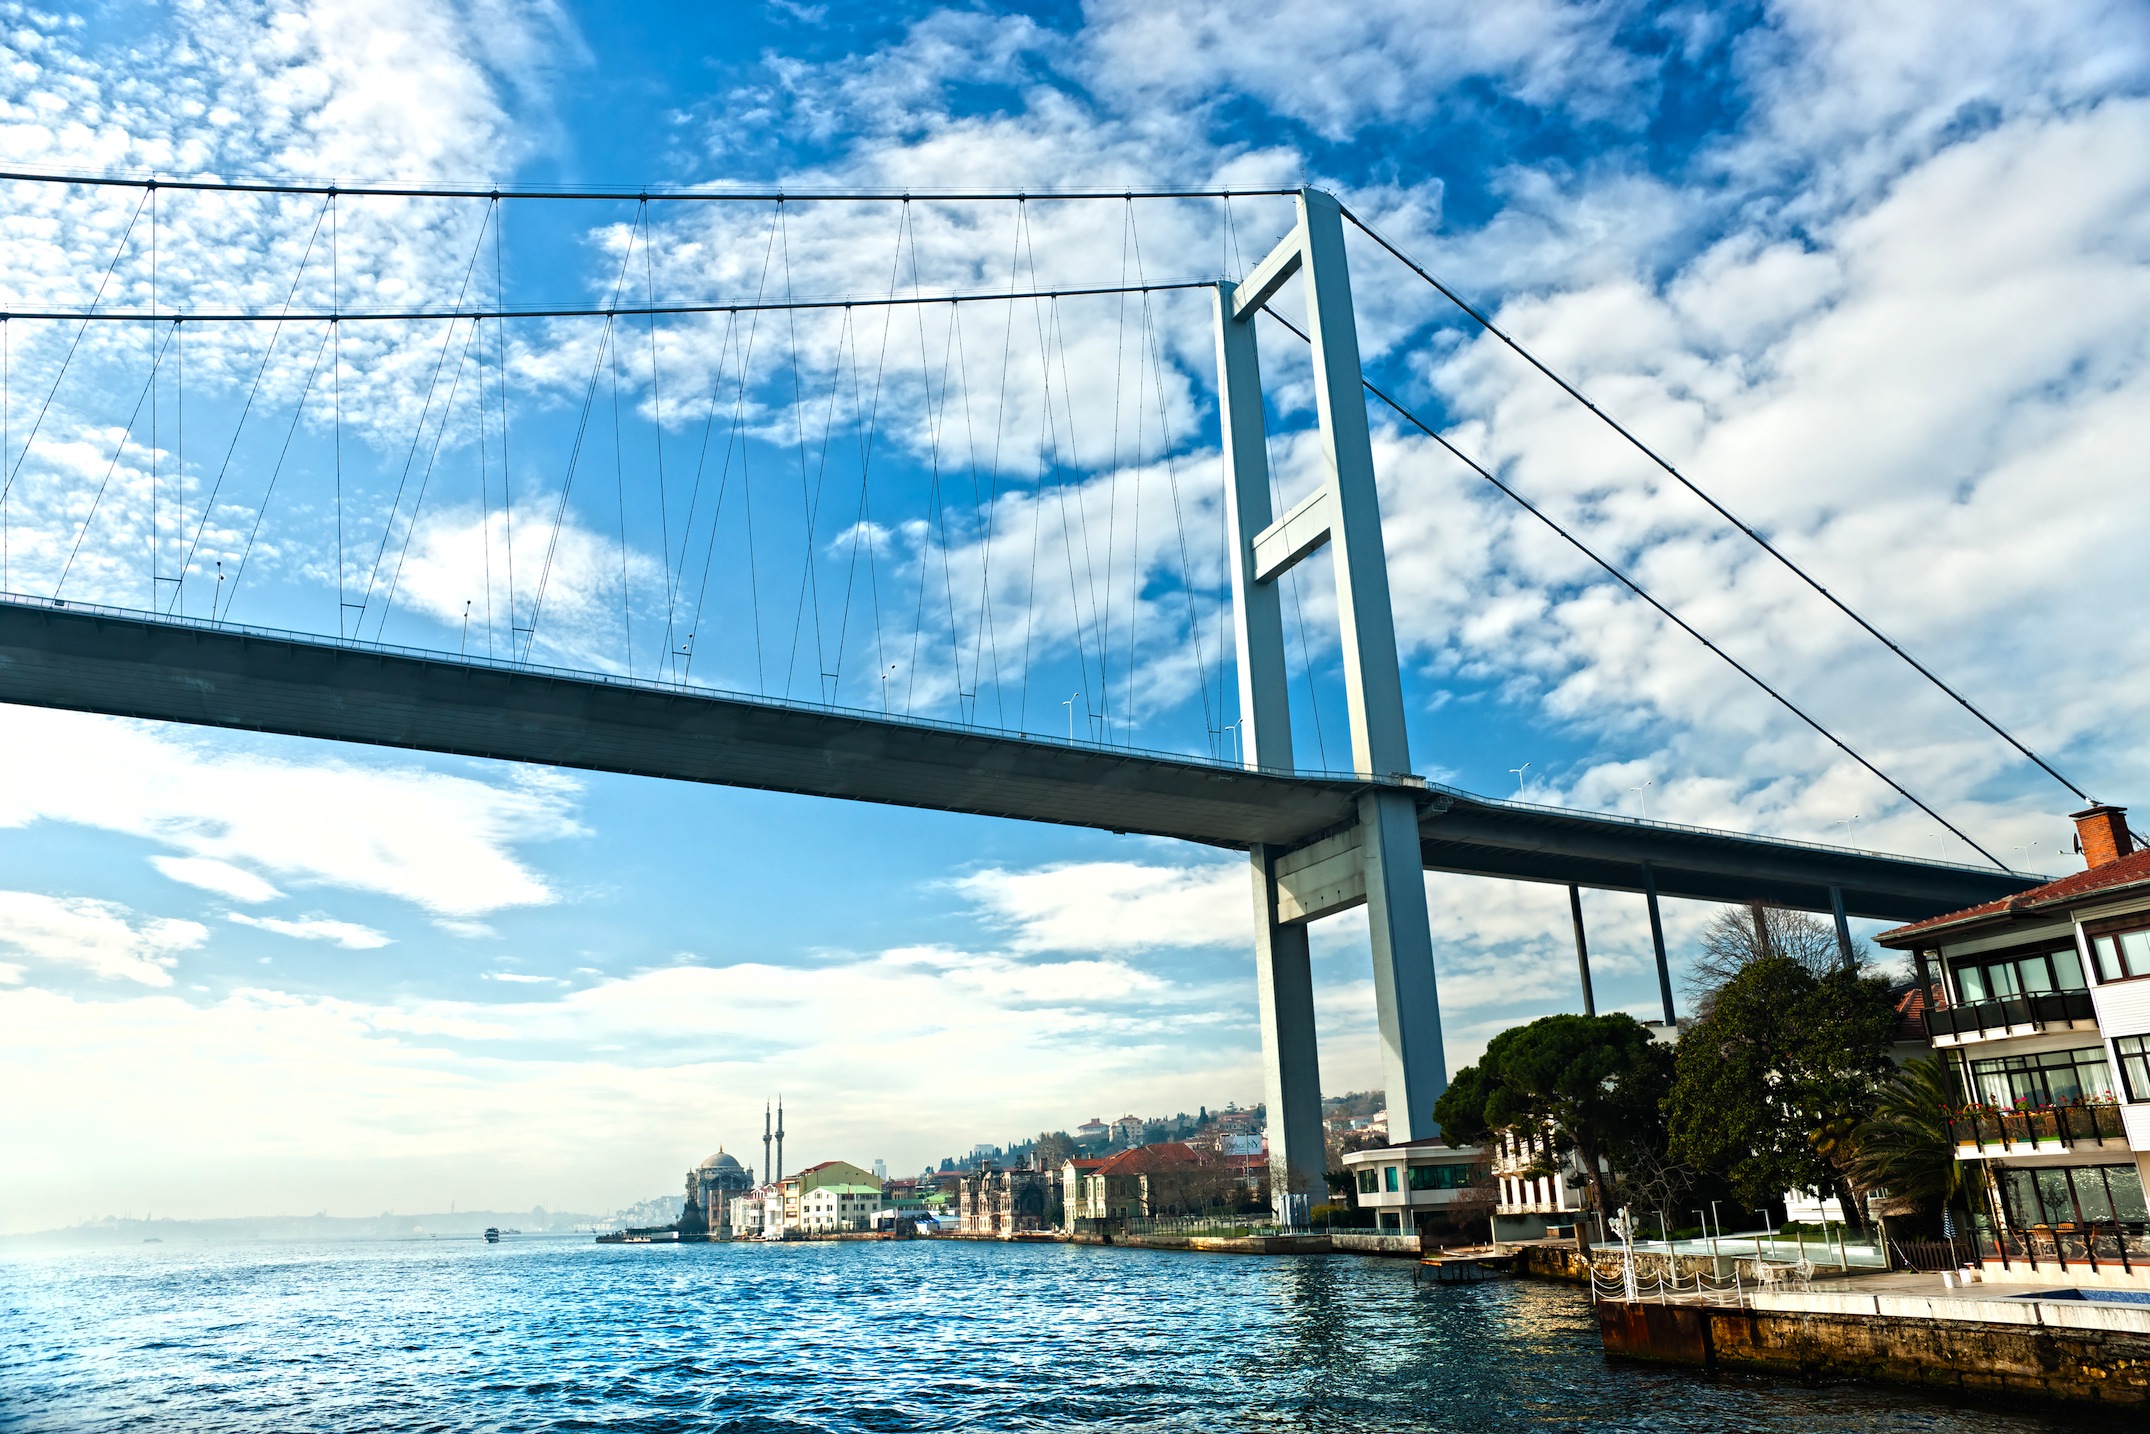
(1291, 1065)
(1376, 860)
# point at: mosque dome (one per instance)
(719, 1161)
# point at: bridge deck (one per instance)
(128, 664)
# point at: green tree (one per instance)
(1598, 1082)
(1773, 1078)
(1905, 1146)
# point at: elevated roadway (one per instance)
(128, 664)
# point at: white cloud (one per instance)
(1340, 68)
(103, 938)
(444, 843)
(1116, 905)
(220, 877)
(347, 934)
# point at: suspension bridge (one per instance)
(738, 529)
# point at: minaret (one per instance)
(765, 1137)
(780, 1139)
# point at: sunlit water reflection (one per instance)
(546, 1335)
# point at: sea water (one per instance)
(546, 1334)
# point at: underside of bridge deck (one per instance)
(127, 664)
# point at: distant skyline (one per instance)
(1872, 274)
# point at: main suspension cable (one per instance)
(621, 194)
(584, 311)
(1637, 589)
(1654, 456)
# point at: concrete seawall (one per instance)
(2070, 1352)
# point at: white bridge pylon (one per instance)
(1374, 860)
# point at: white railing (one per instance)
(1670, 1288)
(1831, 1252)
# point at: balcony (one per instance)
(1980, 1131)
(2012, 1013)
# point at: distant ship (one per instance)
(492, 1235)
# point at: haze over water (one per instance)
(548, 1334)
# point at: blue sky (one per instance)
(1876, 279)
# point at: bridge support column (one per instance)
(1582, 948)
(1291, 1068)
(1407, 1001)
(1344, 514)
(1843, 929)
(1657, 944)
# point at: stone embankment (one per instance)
(1903, 1329)
(2070, 1351)
(1563, 1260)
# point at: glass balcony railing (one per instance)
(2054, 1126)
(2051, 1008)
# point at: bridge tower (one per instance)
(1375, 860)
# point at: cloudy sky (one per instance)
(1875, 276)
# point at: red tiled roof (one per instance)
(1149, 1159)
(1911, 1015)
(2131, 870)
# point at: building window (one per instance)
(1369, 1183)
(1440, 1177)
(2069, 1195)
(2121, 954)
(2134, 1053)
(1991, 978)
(2049, 1078)
(1390, 1182)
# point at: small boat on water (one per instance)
(492, 1235)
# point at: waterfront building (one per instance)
(1007, 1202)
(749, 1211)
(2040, 1005)
(712, 1186)
(1420, 1183)
(1538, 1185)
(838, 1206)
(788, 1204)
(1168, 1178)
(1073, 1204)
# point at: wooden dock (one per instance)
(1465, 1266)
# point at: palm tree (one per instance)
(1905, 1147)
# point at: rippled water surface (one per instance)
(545, 1335)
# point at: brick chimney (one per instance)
(2103, 832)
